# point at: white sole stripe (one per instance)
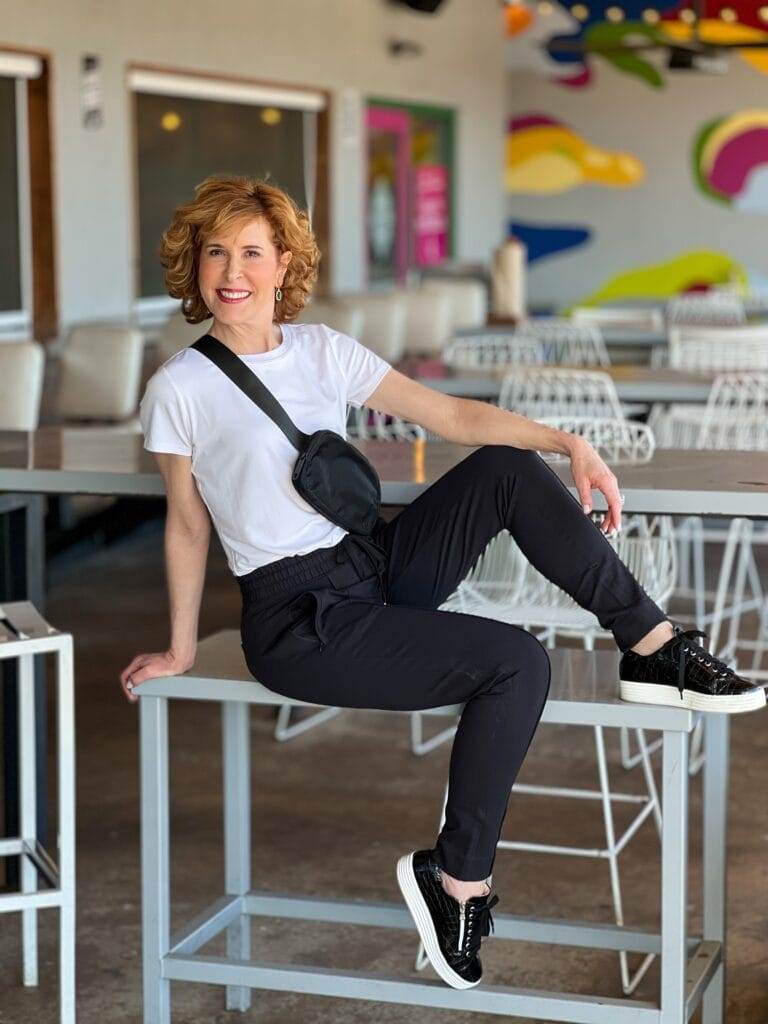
(415, 902)
(658, 693)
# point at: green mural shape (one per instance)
(663, 280)
(601, 37)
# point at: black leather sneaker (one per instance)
(684, 674)
(450, 931)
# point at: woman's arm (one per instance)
(187, 537)
(476, 423)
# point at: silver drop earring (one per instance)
(278, 294)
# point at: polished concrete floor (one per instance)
(332, 812)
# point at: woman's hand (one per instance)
(151, 666)
(590, 473)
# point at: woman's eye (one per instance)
(253, 252)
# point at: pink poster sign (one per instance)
(431, 214)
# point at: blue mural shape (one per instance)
(543, 240)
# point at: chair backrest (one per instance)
(718, 348)
(736, 414)
(427, 320)
(370, 425)
(617, 440)
(567, 343)
(100, 373)
(468, 300)
(641, 318)
(383, 316)
(474, 352)
(177, 334)
(549, 391)
(713, 308)
(22, 371)
(346, 319)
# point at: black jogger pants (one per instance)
(357, 626)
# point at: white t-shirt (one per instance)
(241, 461)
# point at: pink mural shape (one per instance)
(431, 214)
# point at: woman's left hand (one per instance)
(590, 473)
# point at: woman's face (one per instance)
(239, 271)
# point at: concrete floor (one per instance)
(332, 812)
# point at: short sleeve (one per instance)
(165, 422)
(362, 369)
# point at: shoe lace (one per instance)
(693, 651)
(478, 923)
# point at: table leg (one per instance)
(674, 876)
(155, 836)
(716, 730)
(28, 795)
(67, 810)
(237, 833)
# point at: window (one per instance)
(15, 241)
(188, 128)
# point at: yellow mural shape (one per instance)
(663, 280)
(551, 158)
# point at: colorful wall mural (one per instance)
(730, 159)
(543, 155)
(541, 240)
(596, 25)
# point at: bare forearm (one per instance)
(477, 423)
(186, 553)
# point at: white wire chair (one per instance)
(712, 349)
(504, 586)
(566, 342)
(550, 391)
(487, 351)
(713, 308)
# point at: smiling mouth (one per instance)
(232, 295)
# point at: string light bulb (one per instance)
(580, 12)
(688, 16)
(763, 13)
(614, 14)
(650, 16)
(545, 7)
(728, 14)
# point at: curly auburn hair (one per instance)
(221, 202)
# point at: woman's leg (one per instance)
(434, 542)
(408, 659)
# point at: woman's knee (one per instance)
(528, 663)
(501, 458)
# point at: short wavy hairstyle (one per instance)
(221, 202)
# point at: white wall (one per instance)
(339, 45)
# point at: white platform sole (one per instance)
(409, 887)
(656, 693)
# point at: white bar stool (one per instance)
(23, 634)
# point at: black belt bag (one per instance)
(330, 474)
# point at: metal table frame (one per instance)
(692, 968)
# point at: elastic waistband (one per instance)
(289, 573)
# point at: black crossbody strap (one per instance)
(248, 382)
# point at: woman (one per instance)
(353, 622)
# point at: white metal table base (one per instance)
(691, 967)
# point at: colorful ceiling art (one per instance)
(731, 160)
(689, 271)
(543, 240)
(596, 24)
(545, 156)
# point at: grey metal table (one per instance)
(633, 384)
(583, 693)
